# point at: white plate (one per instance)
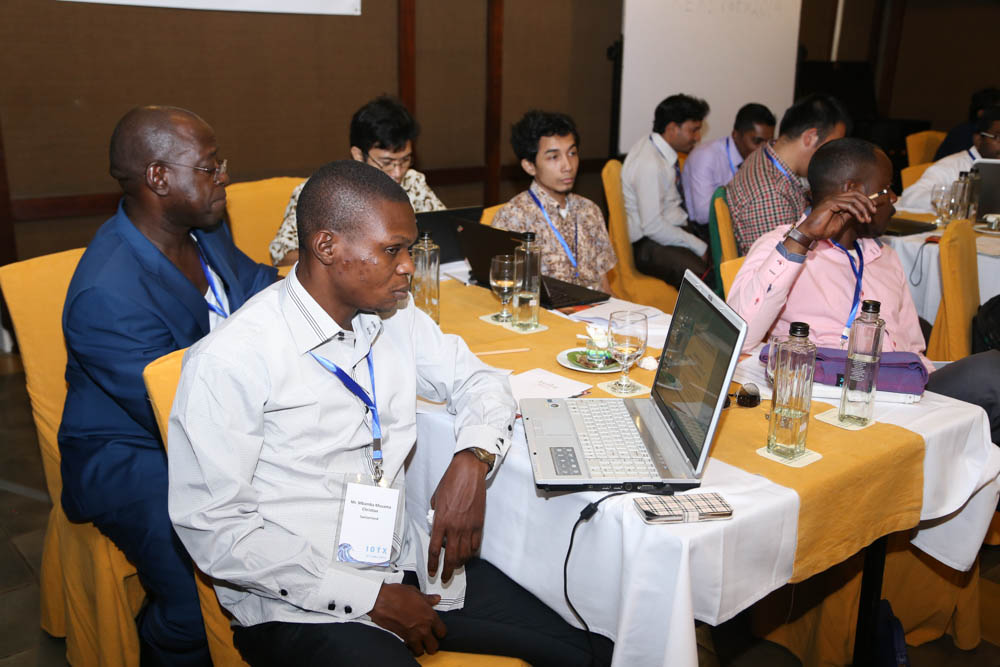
(983, 228)
(565, 362)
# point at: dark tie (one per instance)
(679, 184)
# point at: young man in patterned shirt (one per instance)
(768, 190)
(570, 228)
(382, 135)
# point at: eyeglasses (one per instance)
(747, 397)
(388, 164)
(990, 135)
(218, 172)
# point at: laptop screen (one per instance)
(694, 368)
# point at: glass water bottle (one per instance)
(426, 282)
(794, 363)
(528, 278)
(864, 351)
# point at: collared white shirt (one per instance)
(945, 171)
(259, 429)
(652, 203)
(709, 166)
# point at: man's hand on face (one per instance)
(459, 504)
(406, 611)
(829, 217)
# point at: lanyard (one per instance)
(969, 151)
(729, 157)
(859, 271)
(369, 402)
(211, 283)
(779, 167)
(559, 237)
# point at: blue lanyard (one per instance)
(369, 402)
(559, 237)
(778, 166)
(211, 283)
(859, 271)
(969, 151)
(729, 157)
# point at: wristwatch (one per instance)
(486, 457)
(801, 238)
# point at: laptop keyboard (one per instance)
(611, 444)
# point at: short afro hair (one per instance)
(678, 109)
(753, 114)
(527, 132)
(338, 196)
(837, 161)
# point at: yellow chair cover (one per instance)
(161, 378)
(921, 146)
(724, 221)
(89, 591)
(910, 175)
(728, 270)
(951, 337)
(626, 281)
(489, 213)
(255, 210)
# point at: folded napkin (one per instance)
(898, 372)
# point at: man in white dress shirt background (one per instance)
(277, 410)
(712, 165)
(985, 144)
(664, 242)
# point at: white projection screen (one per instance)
(351, 7)
(728, 52)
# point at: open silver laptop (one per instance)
(647, 443)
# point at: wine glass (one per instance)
(939, 202)
(502, 282)
(627, 331)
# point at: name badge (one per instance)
(367, 524)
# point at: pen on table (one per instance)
(510, 351)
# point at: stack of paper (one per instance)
(658, 321)
(540, 383)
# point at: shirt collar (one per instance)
(311, 326)
(729, 145)
(769, 147)
(547, 199)
(975, 153)
(665, 149)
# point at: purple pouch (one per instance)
(898, 372)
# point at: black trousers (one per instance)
(499, 618)
(974, 379)
(668, 263)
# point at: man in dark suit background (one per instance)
(156, 278)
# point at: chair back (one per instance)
(951, 337)
(910, 175)
(921, 146)
(256, 209)
(720, 231)
(489, 213)
(626, 281)
(35, 290)
(728, 271)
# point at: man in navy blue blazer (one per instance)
(156, 278)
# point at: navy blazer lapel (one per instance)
(175, 284)
(216, 253)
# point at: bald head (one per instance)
(147, 134)
(339, 197)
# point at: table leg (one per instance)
(866, 636)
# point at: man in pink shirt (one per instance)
(810, 271)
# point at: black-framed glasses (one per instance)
(218, 172)
(747, 397)
(387, 164)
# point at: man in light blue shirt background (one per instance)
(714, 164)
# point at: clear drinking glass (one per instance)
(939, 202)
(502, 281)
(627, 332)
(956, 201)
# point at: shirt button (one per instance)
(347, 609)
(331, 606)
(283, 591)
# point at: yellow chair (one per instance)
(626, 281)
(921, 146)
(256, 209)
(681, 159)
(910, 175)
(728, 270)
(727, 240)
(89, 591)
(161, 378)
(951, 337)
(489, 213)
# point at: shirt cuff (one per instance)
(487, 438)
(344, 593)
(788, 254)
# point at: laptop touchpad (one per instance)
(552, 427)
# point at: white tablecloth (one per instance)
(925, 279)
(644, 585)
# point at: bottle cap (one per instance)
(425, 236)
(870, 306)
(798, 329)
(529, 236)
